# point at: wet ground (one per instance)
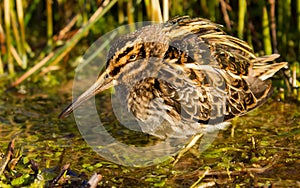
(260, 149)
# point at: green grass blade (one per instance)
(241, 18)
(22, 32)
(298, 28)
(266, 31)
(49, 23)
(7, 9)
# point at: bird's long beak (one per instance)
(101, 84)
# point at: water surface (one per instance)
(261, 148)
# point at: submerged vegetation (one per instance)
(41, 45)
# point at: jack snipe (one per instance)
(184, 77)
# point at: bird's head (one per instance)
(128, 56)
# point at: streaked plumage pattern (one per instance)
(184, 77)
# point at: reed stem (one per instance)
(7, 10)
(156, 11)
(22, 32)
(298, 27)
(17, 38)
(121, 17)
(241, 18)
(165, 10)
(2, 41)
(266, 31)
(49, 23)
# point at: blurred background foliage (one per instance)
(42, 40)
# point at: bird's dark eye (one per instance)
(132, 57)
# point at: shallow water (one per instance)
(261, 148)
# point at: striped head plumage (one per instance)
(184, 77)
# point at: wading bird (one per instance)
(184, 77)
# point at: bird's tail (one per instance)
(264, 67)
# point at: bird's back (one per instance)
(212, 77)
(245, 75)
